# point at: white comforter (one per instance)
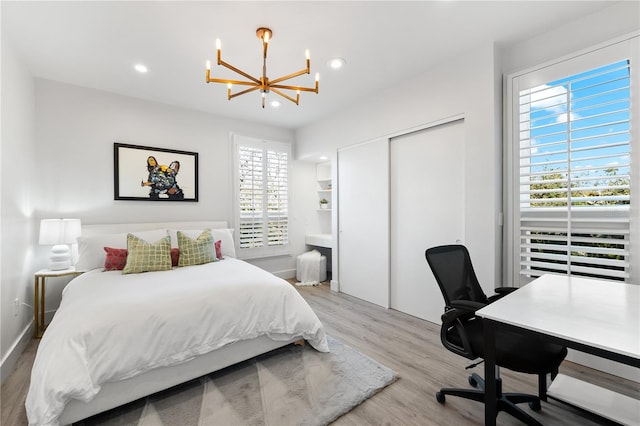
(111, 326)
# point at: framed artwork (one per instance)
(154, 174)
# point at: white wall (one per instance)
(466, 84)
(76, 129)
(616, 20)
(17, 152)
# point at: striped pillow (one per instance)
(196, 251)
(145, 257)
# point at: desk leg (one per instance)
(490, 401)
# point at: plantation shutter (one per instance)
(574, 175)
(251, 187)
(277, 197)
(262, 194)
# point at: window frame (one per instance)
(619, 49)
(265, 145)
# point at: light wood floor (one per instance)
(409, 346)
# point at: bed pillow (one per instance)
(225, 236)
(196, 251)
(175, 256)
(115, 259)
(227, 245)
(218, 250)
(91, 253)
(143, 256)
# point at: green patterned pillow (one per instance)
(145, 257)
(198, 251)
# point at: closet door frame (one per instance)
(381, 237)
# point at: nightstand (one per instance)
(38, 303)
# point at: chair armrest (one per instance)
(467, 305)
(455, 316)
(501, 292)
(505, 290)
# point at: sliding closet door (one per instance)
(363, 221)
(427, 209)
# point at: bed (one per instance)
(118, 337)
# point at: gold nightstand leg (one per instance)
(42, 306)
(36, 308)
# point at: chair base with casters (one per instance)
(505, 401)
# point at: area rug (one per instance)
(294, 385)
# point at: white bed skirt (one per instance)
(114, 394)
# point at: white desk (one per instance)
(319, 240)
(598, 317)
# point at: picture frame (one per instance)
(146, 173)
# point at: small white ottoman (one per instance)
(322, 269)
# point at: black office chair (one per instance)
(462, 333)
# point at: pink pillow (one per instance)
(116, 259)
(219, 249)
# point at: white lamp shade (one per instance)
(59, 231)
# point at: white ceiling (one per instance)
(96, 44)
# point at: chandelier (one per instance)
(263, 83)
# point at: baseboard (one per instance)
(8, 363)
(286, 274)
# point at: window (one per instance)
(572, 168)
(261, 186)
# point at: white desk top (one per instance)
(319, 240)
(601, 314)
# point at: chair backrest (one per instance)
(452, 268)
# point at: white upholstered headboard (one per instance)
(114, 228)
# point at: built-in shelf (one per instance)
(324, 192)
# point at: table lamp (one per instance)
(59, 233)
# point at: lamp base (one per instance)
(60, 257)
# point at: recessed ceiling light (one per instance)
(275, 104)
(140, 68)
(324, 157)
(336, 63)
